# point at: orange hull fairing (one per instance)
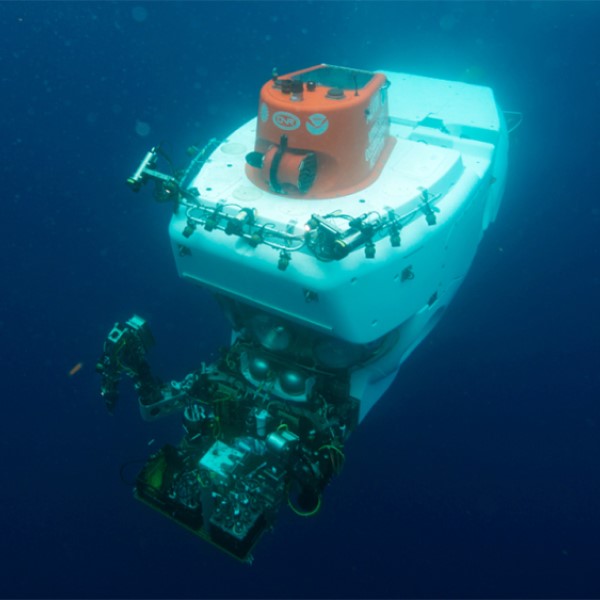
(322, 132)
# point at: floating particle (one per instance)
(142, 128)
(448, 22)
(75, 369)
(139, 14)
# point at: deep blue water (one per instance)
(478, 474)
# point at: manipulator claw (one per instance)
(125, 348)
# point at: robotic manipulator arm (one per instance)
(125, 353)
(245, 451)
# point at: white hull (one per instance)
(451, 142)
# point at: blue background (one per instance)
(477, 475)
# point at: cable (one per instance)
(517, 118)
(336, 465)
(305, 514)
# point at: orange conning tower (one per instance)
(322, 132)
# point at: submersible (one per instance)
(334, 229)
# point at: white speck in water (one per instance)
(142, 128)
